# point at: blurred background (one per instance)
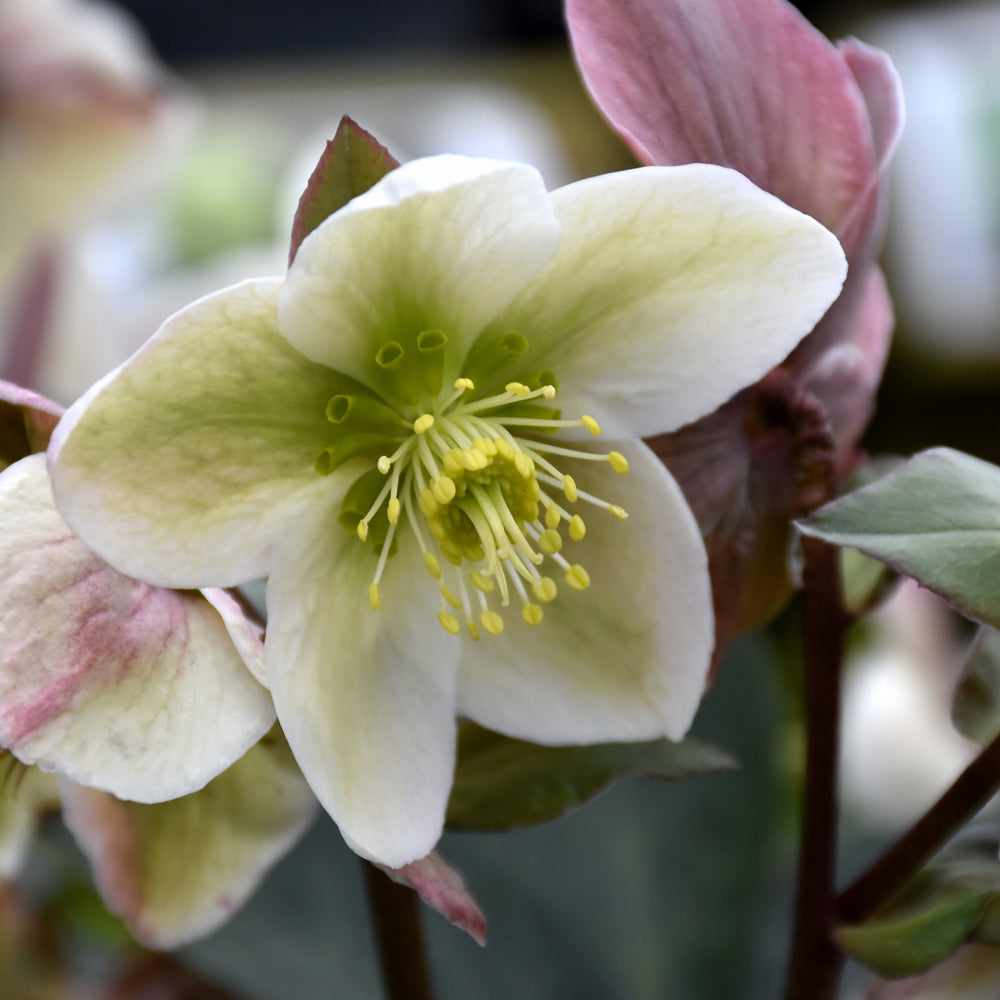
(653, 890)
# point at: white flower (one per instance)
(401, 382)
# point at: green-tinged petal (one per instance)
(186, 465)
(672, 288)
(625, 659)
(366, 698)
(176, 870)
(442, 243)
(108, 681)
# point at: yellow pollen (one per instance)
(548, 392)
(504, 450)
(569, 488)
(373, 598)
(443, 489)
(473, 629)
(362, 530)
(577, 577)
(432, 564)
(591, 424)
(577, 529)
(449, 623)
(481, 581)
(550, 541)
(552, 516)
(451, 598)
(545, 589)
(464, 383)
(474, 460)
(618, 462)
(384, 465)
(525, 467)
(423, 423)
(491, 622)
(620, 512)
(517, 389)
(532, 613)
(392, 510)
(428, 505)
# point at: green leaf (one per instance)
(917, 935)
(975, 711)
(351, 163)
(502, 782)
(936, 519)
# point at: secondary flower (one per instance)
(400, 435)
(96, 674)
(750, 84)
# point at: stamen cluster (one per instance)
(481, 500)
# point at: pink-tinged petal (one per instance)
(365, 698)
(443, 888)
(246, 633)
(862, 232)
(176, 870)
(846, 376)
(106, 680)
(186, 465)
(627, 658)
(748, 84)
(27, 421)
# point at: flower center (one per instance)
(478, 484)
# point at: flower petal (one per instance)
(695, 281)
(233, 419)
(625, 659)
(365, 698)
(442, 243)
(106, 680)
(748, 84)
(244, 821)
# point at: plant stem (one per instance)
(815, 962)
(972, 789)
(399, 939)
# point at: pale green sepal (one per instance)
(911, 941)
(936, 519)
(672, 288)
(185, 466)
(366, 698)
(443, 243)
(502, 783)
(972, 973)
(177, 870)
(975, 710)
(103, 679)
(627, 659)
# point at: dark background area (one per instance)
(185, 31)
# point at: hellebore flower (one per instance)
(142, 692)
(750, 84)
(401, 383)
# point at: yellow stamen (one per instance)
(517, 389)
(550, 541)
(373, 598)
(423, 423)
(451, 598)
(392, 510)
(577, 577)
(569, 488)
(591, 424)
(362, 530)
(432, 564)
(577, 528)
(492, 622)
(618, 462)
(532, 613)
(545, 589)
(449, 623)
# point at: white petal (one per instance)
(442, 243)
(106, 680)
(365, 698)
(627, 659)
(672, 288)
(186, 466)
(176, 870)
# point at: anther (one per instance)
(550, 541)
(569, 488)
(432, 564)
(618, 462)
(362, 530)
(384, 465)
(423, 423)
(492, 622)
(591, 424)
(545, 589)
(577, 577)
(481, 581)
(620, 512)
(532, 613)
(517, 389)
(552, 516)
(464, 383)
(443, 489)
(392, 510)
(449, 623)
(577, 528)
(451, 598)
(373, 598)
